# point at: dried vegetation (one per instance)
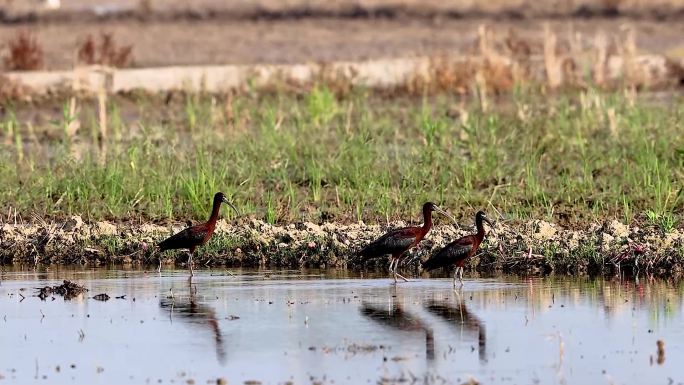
(24, 53)
(105, 51)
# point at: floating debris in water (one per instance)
(67, 289)
(101, 297)
(121, 297)
(661, 352)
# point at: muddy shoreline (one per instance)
(528, 247)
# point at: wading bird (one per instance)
(458, 251)
(197, 235)
(397, 242)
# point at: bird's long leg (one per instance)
(390, 266)
(394, 269)
(190, 263)
(455, 276)
(401, 276)
(460, 275)
(160, 262)
(396, 266)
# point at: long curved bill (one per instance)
(231, 206)
(446, 214)
(491, 223)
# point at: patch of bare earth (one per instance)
(325, 40)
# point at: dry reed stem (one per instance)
(102, 117)
(553, 65)
(601, 58)
(74, 123)
(628, 51)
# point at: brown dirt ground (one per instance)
(179, 32)
(214, 41)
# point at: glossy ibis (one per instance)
(197, 235)
(396, 242)
(458, 251)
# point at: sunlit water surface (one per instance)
(334, 327)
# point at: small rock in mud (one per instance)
(101, 297)
(544, 230)
(67, 289)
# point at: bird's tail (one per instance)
(142, 249)
(357, 257)
(428, 265)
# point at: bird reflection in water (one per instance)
(190, 311)
(396, 317)
(463, 320)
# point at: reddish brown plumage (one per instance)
(458, 251)
(396, 242)
(194, 236)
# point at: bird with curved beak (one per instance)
(194, 236)
(457, 252)
(396, 242)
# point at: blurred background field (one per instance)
(218, 32)
(569, 111)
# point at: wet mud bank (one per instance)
(529, 247)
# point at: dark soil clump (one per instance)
(67, 289)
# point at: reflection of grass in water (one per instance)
(659, 298)
(364, 157)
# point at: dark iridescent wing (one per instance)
(192, 236)
(396, 241)
(451, 254)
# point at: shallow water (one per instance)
(334, 327)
